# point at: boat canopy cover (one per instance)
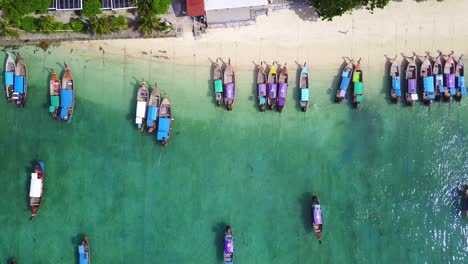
(344, 83)
(19, 84)
(317, 215)
(9, 77)
(66, 98)
(229, 91)
(261, 89)
(228, 244)
(356, 77)
(152, 115)
(141, 109)
(428, 84)
(84, 257)
(412, 86)
(52, 109)
(272, 90)
(359, 98)
(450, 80)
(358, 88)
(461, 84)
(414, 97)
(281, 101)
(262, 100)
(163, 128)
(305, 71)
(304, 94)
(54, 100)
(63, 112)
(283, 90)
(36, 186)
(218, 86)
(396, 83)
(342, 93)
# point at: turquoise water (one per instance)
(387, 177)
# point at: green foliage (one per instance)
(15, 9)
(151, 23)
(6, 30)
(161, 6)
(144, 7)
(331, 8)
(148, 7)
(77, 25)
(91, 7)
(100, 25)
(46, 24)
(118, 23)
(28, 23)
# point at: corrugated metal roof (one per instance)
(68, 4)
(224, 4)
(195, 7)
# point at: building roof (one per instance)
(116, 4)
(225, 4)
(67, 4)
(195, 8)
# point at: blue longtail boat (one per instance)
(228, 246)
(358, 85)
(449, 78)
(272, 89)
(460, 75)
(153, 109)
(345, 80)
(20, 89)
(304, 88)
(395, 91)
(165, 122)
(412, 82)
(229, 82)
(428, 81)
(437, 72)
(83, 251)
(10, 69)
(283, 88)
(218, 83)
(67, 96)
(261, 87)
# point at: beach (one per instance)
(389, 178)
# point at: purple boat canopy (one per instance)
(450, 80)
(261, 89)
(317, 215)
(283, 90)
(272, 90)
(412, 86)
(228, 246)
(229, 91)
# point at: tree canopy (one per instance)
(331, 8)
(91, 7)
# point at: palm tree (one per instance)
(144, 7)
(148, 24)
(100, 25)
(46, 24)
(6, 30)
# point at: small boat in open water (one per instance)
(20, 89)
(10, 69)
(142, 101)
(358, 86)
(229, 81)
(36, 188)
(153, 109)
(12, 261)
(165, 122)
(54, 90)
(317, 217)
(304, 88)
(272, 89)
(460, 75)
(83, 251)
(412, 82)
(228, 246)
(449, 74)
(67, 96)
(428, 81)
(261, 87)
(218, 83)
(395, 91)
(437, 72)
(283, 88)
(345, 80)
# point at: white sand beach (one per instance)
(284, 36)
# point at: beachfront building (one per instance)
(63, 5)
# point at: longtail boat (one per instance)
(83, 251)
(357, 85)
(304, 87)
(438, 78)
(465, 199)
(20, 89)
(395, 91)
(10, 69)
(229, 81)
(272, 87)
(316, 217)
(428, 81)
(153, 109)
(13, 261)
(460, 74)
(67, 96)
(449, 74)
(412, 82)
(228, 246)
(283, 87)
(142, 101)
(165, 122)
(345, 80)
(218, 83)
(54, 90)
(261, 87)
(36, 188)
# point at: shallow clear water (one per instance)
(388, 178)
